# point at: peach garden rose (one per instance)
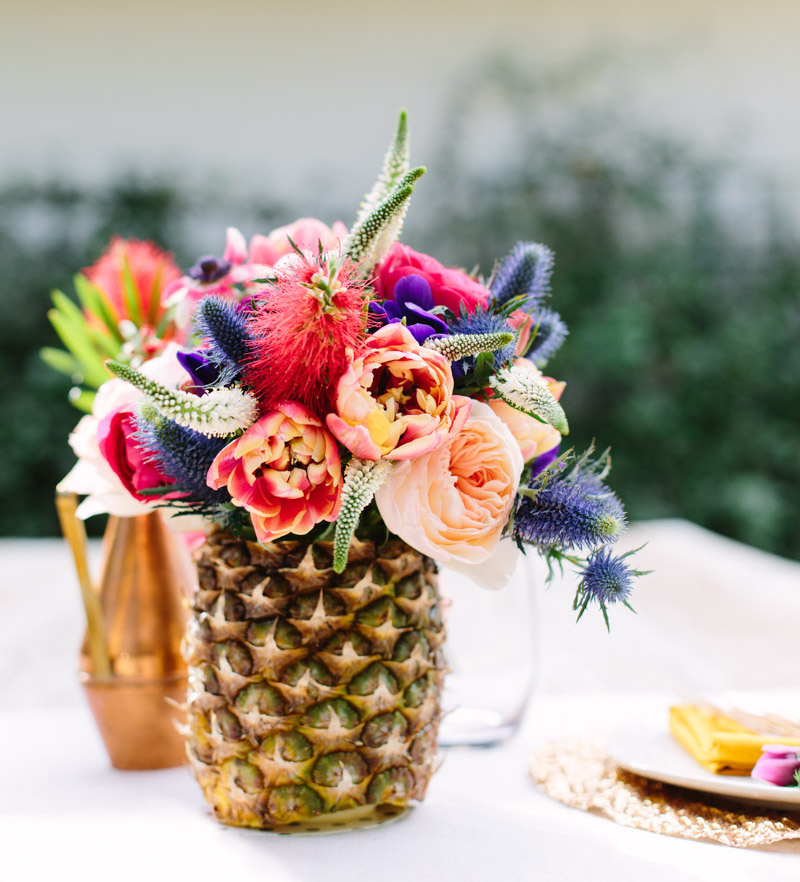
(396, 400)
(284, 470)
(453, 503)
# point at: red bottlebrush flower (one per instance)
(305, 329)
(151, 270)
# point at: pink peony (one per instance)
(534, 437)
(453, 503)
(116, 440)
(307, 233)
(396, 400)
(450, 287)
(151, 269)
(284, 470)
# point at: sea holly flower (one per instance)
(482, 321)
(570, 508)
(525, 272)
(284, 471)
(449, 287)
(396, 400)
(778, 765)
(453, 502)
(411, 303)
(304, 329)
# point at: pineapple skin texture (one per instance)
(312, 692)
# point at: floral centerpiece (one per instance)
(349, 415)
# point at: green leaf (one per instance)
(83, 399)
(68, 307)
(95, 301)
(155, 295)
(75, 337)
(133, 298)
(158, 491)
(103, 342)
(60, 361)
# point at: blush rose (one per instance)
(453, 503)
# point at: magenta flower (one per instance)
(778, 765)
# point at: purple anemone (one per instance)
(412, 301)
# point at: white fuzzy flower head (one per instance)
(527, 391)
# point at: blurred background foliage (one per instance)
(678, 275)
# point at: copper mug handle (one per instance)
(74, 532)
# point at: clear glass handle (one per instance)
(491, 654)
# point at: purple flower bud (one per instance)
(777, 765)
(209, 269)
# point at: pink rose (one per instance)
(284, 470)
(453, 503)
(396, 400)
(307, 233)
(130, 462)
(450, 287)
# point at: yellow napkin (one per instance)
(718, 743)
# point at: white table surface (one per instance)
(716, 615)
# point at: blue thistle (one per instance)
(182, 454)
(570, 508)
(606, 579)
(525, 272)
(481, 321)
(551, 332)
(224, 325)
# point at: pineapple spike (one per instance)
(524, 391)
(361, 479)
(395, 165)
(459, 346)
(373, 236)
(217, 413)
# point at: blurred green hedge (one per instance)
(678, 277)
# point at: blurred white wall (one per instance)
(269, 93)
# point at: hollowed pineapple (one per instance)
(312, 693)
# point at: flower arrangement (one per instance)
(333, 383)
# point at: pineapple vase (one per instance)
(314, 698)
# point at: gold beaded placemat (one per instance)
(581, 774)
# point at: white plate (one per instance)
(657, 755)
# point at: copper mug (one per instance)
(132, 669)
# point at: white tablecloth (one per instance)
(715, 615)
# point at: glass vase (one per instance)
(491, 650)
